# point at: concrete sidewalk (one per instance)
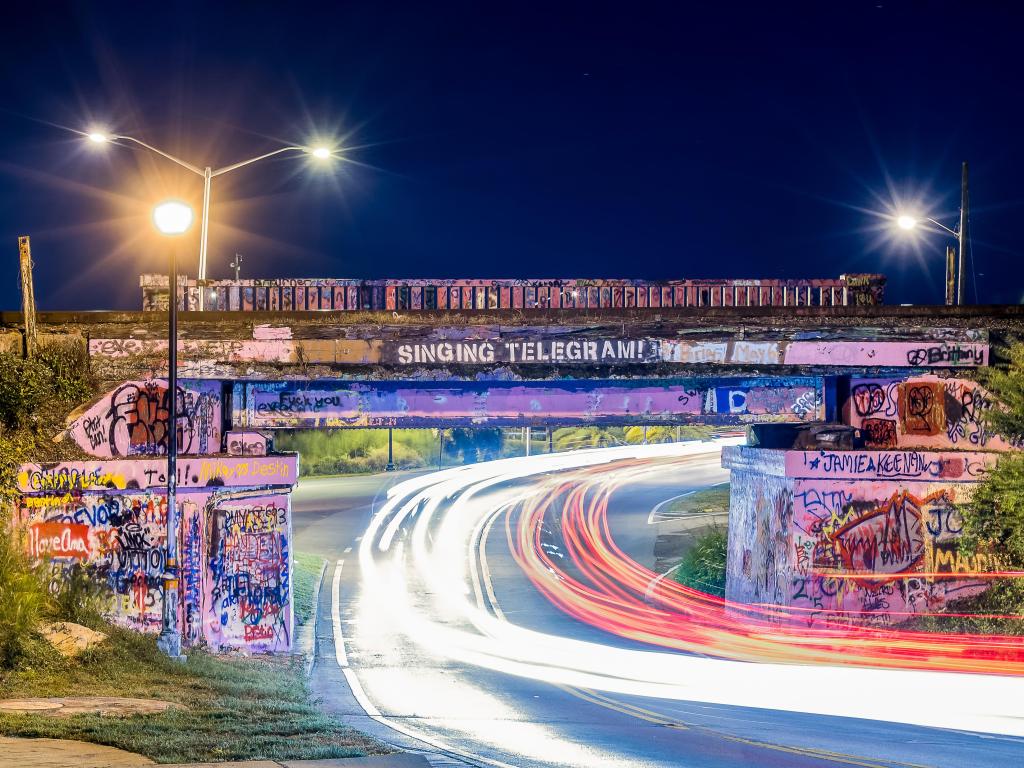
(60, 753)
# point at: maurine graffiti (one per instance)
(132, 419)
(922, 412)
(235, 546)
(851, 542)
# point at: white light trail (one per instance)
(435, 515)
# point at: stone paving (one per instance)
(108, 706)
(60, 753)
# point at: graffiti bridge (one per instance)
(718, 365)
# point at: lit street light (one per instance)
(172, 218)
(954, 267)
(320, 153)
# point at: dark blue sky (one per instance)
(547, 139)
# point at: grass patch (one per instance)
(713, 500)
(305, 574)
(703, 565)
(231, 708)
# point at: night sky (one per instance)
(516, 139)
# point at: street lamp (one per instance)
(320, 153)
(954, 267)
(172, 218)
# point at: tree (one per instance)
(993, 521)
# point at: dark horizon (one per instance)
(577, 141)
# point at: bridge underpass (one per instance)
(247, 373)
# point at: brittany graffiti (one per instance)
(132, 420)
(922, 412)
(275, 405)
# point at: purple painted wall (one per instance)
(275, 405)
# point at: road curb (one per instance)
(308, 639)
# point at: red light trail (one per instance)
(607, 589)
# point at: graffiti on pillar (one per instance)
(120, 538)
(922, 412)
(249, 561)
(132, 420)
(870, 551)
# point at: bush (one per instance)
(36, 396)
(24, 599)
(703, 565)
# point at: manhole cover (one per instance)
(28, 705)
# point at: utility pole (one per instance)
(961, 235)
(950, 275)
(237, 266)
(28, 298)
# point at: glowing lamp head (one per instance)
(906, 222)
(172, 217)
(321, 153)
(98, 138)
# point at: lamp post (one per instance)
(320, 153)
(172, 218)
(954, 269)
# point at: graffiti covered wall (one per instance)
(865, 536)
(922, 412)
(131, 420)
(759, 533)
(235, 540)
(291, 404)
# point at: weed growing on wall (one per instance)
(36, 396)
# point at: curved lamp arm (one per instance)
(160, 152)
(235, 166)
(940, 225)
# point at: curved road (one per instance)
(393, 658)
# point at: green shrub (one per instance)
(79, 595)
(703, 565)
(24, 599)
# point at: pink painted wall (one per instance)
(922, 412)
(129, 474)
(131, 420)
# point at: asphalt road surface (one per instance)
(417, 696)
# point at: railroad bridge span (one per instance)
(717, 365)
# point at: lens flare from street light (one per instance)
(172, 217)
(906, 222)
(96, 137)
(321, 153)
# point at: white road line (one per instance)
(347, 550)
(360, 694)
(339, 640)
